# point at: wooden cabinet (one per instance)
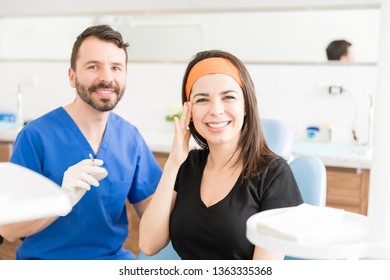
(7, 250)
(161, 158)
(5, 151)
(347, 188)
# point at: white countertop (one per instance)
(9, 131)
(332, 154)
(337, 155)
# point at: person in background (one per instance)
(58, 145)
(206, 195)
(339, 50)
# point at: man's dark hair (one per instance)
(102, 32)
(337, 49)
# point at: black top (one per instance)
(219, 231)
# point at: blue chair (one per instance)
(279, 137)
(310, 175)
(167, 253)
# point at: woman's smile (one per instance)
(217, 125)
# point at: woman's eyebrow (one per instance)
(200, 94)
(229, 91)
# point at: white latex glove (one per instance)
(79, 178)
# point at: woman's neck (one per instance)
(222, 157)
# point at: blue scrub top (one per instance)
(97, 226)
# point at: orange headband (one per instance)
(213, 65)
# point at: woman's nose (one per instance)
(216, 108)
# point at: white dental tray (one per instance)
(26, 195)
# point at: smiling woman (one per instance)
(232, 176)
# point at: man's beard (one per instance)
(101, 104)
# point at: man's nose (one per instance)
(106, 75)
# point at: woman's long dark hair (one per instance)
(254, 151)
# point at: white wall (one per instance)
(298, 94)
(76, 7)
(282, 36)
(294, 93)
(293, 35)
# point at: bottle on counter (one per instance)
(329, 131)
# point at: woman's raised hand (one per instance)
(180, 146)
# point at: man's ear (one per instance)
(72, 77)
(344, 58)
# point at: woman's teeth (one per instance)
(217, 125)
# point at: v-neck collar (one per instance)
(80, 137)
(199, 183)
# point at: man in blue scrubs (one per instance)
(58, 145)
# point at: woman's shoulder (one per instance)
(277, 166)
(195, 161)
(276, 186)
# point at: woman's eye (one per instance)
(201, 100)
(229, 97)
